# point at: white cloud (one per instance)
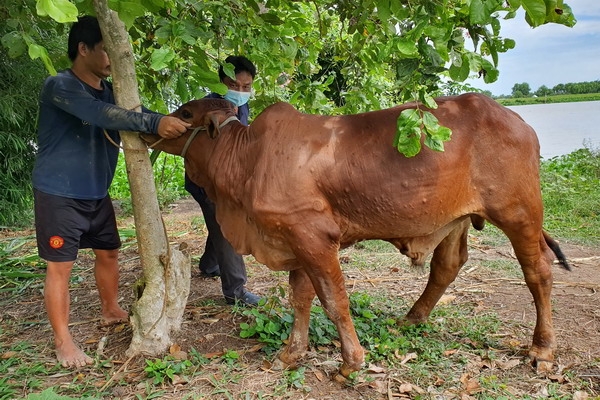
(550, 54)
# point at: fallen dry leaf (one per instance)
(470, 385)
(557, 378)
(319, 375)
(178, 380)
(505, 365)
(379, 386)
(375, 369)
(579, 395)
(446, 299)
(405, 388)
(408, 357)
(8, 354)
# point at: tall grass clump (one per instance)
(571, 192)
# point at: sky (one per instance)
(549, 54)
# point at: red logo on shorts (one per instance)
(56, 242)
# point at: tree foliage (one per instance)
(521, 90)
(332, 57)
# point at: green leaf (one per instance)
(383, 9)
(289, 49)
(406, 67)
(427, 99)
(209, 79)
(491, 72)
(408, 133)
(128, 10)
(182, 88)
(271, 18)
(229, 70)
(14, 43)
(433, 128)
(161, 58)
(535, 12)
(407, 47)
(37, 51)
(253, 5)
(59, 10)
(460, 68)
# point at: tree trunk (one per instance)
(163, 292)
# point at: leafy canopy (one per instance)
(333, 57)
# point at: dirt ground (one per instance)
(210, 327)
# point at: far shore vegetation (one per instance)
(559, 98)
(561, 93)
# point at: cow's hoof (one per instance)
(346, 370)
(542, 359)
(410, 321)
(279, 365)
(542, 366)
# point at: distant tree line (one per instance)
(524, 90)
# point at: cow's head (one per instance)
(205, 117)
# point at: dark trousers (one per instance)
(218, 251)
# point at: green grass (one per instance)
(571, 192)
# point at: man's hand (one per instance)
(172, 127)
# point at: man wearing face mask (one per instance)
(219, 258)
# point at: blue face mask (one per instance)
(237, 98)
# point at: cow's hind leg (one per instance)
(302, 294)
(448, 257)
(536, 258)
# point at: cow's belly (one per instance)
(275, 254)
(247, 238)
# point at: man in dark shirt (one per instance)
(219, 258)
(74, 168)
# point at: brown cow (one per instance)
(292, 189)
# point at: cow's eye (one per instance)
(186, 114)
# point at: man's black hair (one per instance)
(86, 30)
(240, 64)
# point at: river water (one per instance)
(563, 127)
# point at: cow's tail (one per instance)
(478, 223)
(562, 260)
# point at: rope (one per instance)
(110, 139)
(199, 128)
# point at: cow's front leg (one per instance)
(316, 244)
(329, 284)
(302, 294)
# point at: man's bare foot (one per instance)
(69, 355)
(113, 317)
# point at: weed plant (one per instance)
(378, 328)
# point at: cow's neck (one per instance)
(232, 161)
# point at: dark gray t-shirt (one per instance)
(75, 159)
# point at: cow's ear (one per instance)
(212, 124)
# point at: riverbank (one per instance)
(564, 98)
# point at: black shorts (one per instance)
(64, 225)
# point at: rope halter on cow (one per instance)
(194, 133)
(201, 128)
